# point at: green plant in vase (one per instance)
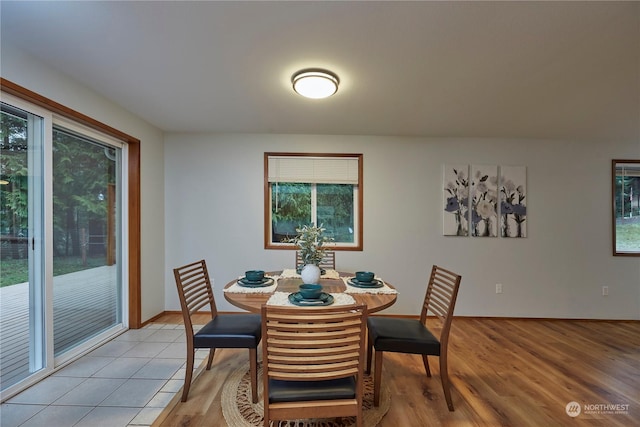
(311, 242)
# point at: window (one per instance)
(322, 189)
(626, 207)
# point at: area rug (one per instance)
(239, 411)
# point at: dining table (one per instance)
(286, 282)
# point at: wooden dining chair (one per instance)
(222, 331)
(328, 260)
(402, 335)
(313, 361)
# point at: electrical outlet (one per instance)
(498, 288)
(605, 291)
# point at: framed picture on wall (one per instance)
(513, 203)
(456, 200)
(484, 201)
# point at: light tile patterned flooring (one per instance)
(126, 382)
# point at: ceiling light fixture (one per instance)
(315, 83)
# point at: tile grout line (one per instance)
(178, 376)
(168, 394)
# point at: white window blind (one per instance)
(314, 170)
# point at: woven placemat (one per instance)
(239, 411)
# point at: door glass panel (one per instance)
(86, 282)
(22, 349)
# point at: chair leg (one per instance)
(369, 354)
(253, 368)
(188, 374)
(446, 387)
(265, 394)
(425, 362)
(377, 376)
(212, 352)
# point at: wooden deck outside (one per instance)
(84, 304)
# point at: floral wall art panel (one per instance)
(456, 200)
(484, 201)
(513, 203)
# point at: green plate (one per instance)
(375, 283)
(267, 281)
(297, 299)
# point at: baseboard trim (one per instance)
(410, 316)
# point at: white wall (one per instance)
(26, 71)
(205, 201)
(214, 210)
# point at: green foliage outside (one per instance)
(14, 174)
(628, 236)
(335, 211)
(627, 208)
(291, 204)
(82, 173)
(14, 271)
(627, 196)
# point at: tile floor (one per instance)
(125, 382)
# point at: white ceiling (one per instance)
(464, 69)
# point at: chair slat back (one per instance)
(194, 290)
(313, 344)
(328, 260)
(440, 299)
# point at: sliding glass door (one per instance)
(62, 228)
(22, 308)
(86, 280)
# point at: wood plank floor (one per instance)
(504, 372)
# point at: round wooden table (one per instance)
(253, 301)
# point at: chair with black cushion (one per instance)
(222, 331)
(313, 362)
(328, 260)
(403, 335)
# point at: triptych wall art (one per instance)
(485, 201)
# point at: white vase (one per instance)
(310, 273)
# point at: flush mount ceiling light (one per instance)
(315, 83)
